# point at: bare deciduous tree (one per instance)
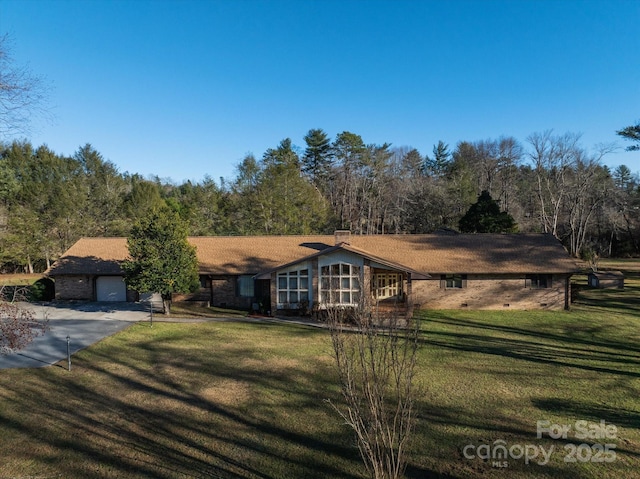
(553, 159)
(23, 95)
(18, 325)
(587, 190)
(376, 359)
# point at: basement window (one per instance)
(537, 281)
(453, 281)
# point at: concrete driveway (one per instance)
(84, 323)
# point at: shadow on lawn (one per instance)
(593, 414)
(569, 350)
(575, 333)
(590, 412)
(144, 412)
(446, 445)
(140, 409)
(625, 300)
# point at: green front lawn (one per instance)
(247, 399)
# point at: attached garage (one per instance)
(474, 271)
(111, 288)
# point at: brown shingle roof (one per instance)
(519, 253)
(351, 249)
(92, 256)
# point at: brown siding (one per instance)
(78, 287)
(489, 292)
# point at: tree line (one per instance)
(550, 184)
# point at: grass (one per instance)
(194, 311)
(19, 279)
(628, 265)
(246, 399)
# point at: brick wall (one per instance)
(74, 287)
(489, 292)
(224, 293)
(220, 292)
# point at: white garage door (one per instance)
(111, 288)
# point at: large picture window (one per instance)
(340, 284)
(293, 288)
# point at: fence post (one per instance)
(68, 353)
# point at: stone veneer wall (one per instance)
(490, 292)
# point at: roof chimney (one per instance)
(342, 236)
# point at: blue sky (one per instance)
(182, 89)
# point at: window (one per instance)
(244, 286)
(386, 285)
(340, 284)
(293, 288)
(453, 281)
(537, 281)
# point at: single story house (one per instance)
(434, 271)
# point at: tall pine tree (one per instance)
(484, 216)
(318, 156)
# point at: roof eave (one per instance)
(351, 249)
